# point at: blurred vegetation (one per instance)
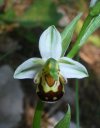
(33, 13)
(29, 13)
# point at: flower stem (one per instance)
(77, 104)
(37, 116)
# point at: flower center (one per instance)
(49, 79)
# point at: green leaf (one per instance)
(68, 32)
(89, 26)
(94, 24)
(65, 121)
(37, 116)
(95, 10)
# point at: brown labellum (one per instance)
(50, 96)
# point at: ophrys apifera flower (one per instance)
(50, 72)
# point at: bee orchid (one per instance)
(50, 73)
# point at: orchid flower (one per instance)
(50, 72)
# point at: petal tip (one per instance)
(15, 76)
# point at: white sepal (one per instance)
(50, 43)
(72, 69)
(29, 68)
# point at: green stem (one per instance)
(76, 47)
(37, 116)
(77, 105)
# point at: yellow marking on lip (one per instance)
(49, 65)
(54, 98)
